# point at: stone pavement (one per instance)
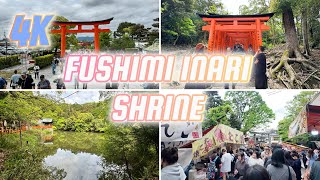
(47, 72)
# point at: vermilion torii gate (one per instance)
(227, 30)
(63, 31)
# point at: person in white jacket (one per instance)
(171, 170)
(255, 159)
(226, 160)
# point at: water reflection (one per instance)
(81, 166)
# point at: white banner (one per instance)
(173, 144)
(299, 125)
(180, 131)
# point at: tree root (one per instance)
(295, 73)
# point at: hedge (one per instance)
(9, 61)
(39, 53)
(44, 61)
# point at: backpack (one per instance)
(3, 83)
(60, 85)
(44, 85)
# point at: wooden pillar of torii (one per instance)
(228, 30)
(63, 31)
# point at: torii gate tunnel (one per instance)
(227, 30)
(64, 30)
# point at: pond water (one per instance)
(80, 166)
(77, 153)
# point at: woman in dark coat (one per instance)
(296, 165)
(260, 61)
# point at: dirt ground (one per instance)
(272, 56)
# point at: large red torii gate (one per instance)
(63, 31)
(227, 30)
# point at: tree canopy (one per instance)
(242, 110)
(132, 146)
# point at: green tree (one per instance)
(180, 24)
(153, 33)
(249, 108)
(213, 99)
(176, 21)
(217, 115)
(122, 29)
(56, 38)
(132, 147)
(122, 43)
(255, 7)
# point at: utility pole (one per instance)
(5, 39)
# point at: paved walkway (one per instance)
(179, 54)
(47, 72)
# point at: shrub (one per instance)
(9, 61)
(44, 61)
(122, 43)
(35, 54)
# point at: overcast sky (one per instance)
(136, 11)
(233, 5)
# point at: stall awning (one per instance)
(218, 135)
(308, 119)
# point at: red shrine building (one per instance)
(227, 30)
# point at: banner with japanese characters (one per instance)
(218, 135)
(181, 131)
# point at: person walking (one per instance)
(304, 158)
(26, 81)
(315, 170)
(60, 83)
(214, 166)
(256, 172)
(226, 160)
(14, 79)
(255, 159)
(278, 170)
(3, 83)
(241, 166)
(250, 50)
(311, 158)
(260, 61)
(53, 66)
(36, 70)
(171, 170)
(266, 153)
(289, 159)
(296, 165)
(60, 64)
(43, 83)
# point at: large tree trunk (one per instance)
(304, 24)
(291, 34)
(273, 32)
(297, 30)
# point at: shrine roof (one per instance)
(245, 17)
(105, 21)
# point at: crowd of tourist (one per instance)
(26, 81)
(259, 163)
(259, 66)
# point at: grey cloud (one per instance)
(136, 11)
(94, 3)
